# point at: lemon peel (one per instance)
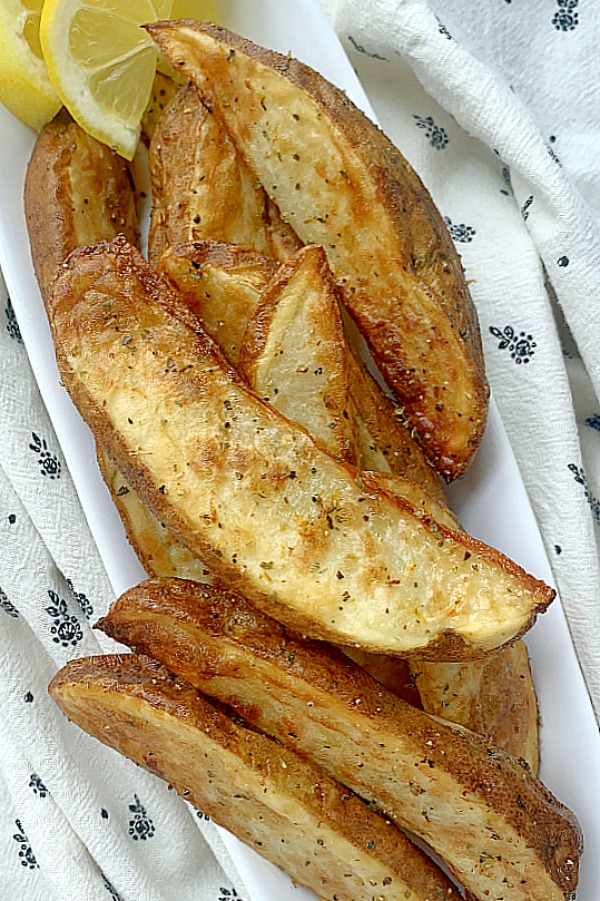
(25, 88)
(102, 63)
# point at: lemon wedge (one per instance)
(24, 84)
(101, 63)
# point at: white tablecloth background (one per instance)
(496, 105)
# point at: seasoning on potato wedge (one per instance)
(494, 696)
(294, 352)
(286, 808)
(501, 833)
(340, 560)
(221, 283)
(77, 192)
(202, 188)
(340, 183)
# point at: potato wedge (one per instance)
(159, 552)
(221, 284)
(215, 464)
(77, 191)
(493, 696)
(498, 829)
(288, 810)
(385, 444)
(201, 186)
(294, 352)
(385, 240)
(163, 93)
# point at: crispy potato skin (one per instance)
(182, 428)
(163, 93)
(287, 809)
(77, 192)
(494, 824)
(202, 188)
(385, 240)
(494, 697)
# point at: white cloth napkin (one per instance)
(496, 105)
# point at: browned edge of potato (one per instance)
(294, 352)
(286, 808)
(231, 463)
(495, 825)
(77, 192)
(386, 241)
(221, 284)
(164, 89)
(494, 696)
(159, 552)
(202, 188)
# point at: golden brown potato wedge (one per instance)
(77, 191)
(287, 809)
(385, 444)
(163, 93)
(201, 186)
(221, 284)
(497, 828)
(340, 560)
(294, 352)
(159, 552)
(385, 240)
(494, 696)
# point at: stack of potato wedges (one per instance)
(323, 660)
